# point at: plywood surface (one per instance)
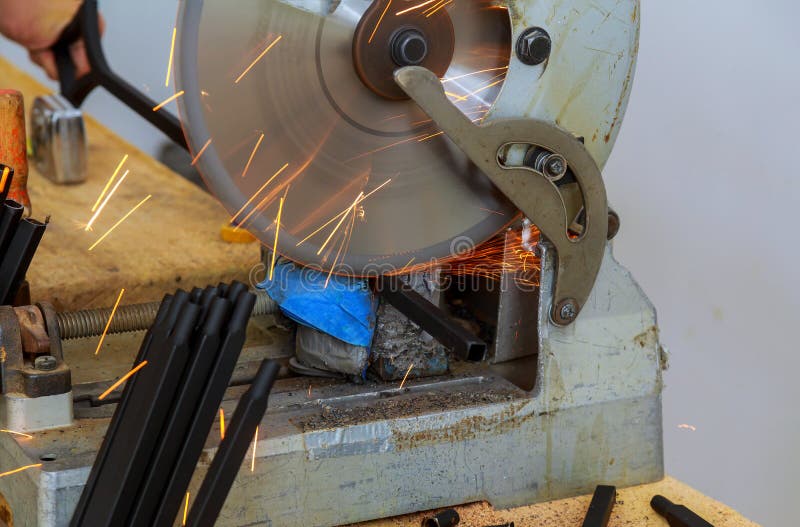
(171, 241)
(632, 510)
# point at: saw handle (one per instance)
(86, 26)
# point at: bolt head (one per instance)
(555, 167)
(565, 312)
(534, 46)
(45, 363)
(568, 311)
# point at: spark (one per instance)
(6, 171)
(343, 247)
(255, 444)
(431, 136)
(406, 375)
(20, 434)
(440, 7)
(105, 202)
(309, 389)
(409, 263)
(344, 212)
(688, 427)
(352, 206)
(385, 147)
(200, 153)
(108, 324)
(125, 217)
(434, 6)
(221, 424)
(259, 191)
(167, 101)
(110, 181)
(449, 79)
(171, 55)
(380, 19)
(260, 56)
(492, 211)
(277, 232)
(185, 508)
(20, 469)
(122, 379)
(252, 155)
(412, 8)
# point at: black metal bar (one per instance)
(17, 258)
(677, 515)
(209, 401)
(445, 518)
(10, 217)
(5, 183)
(174, 433)
(431, 319)
(233, 449)
(139, 431)
(86, 25)
(601, 506)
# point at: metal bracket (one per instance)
(538, 198)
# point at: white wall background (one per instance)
(705, 176)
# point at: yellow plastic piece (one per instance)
(231, 234)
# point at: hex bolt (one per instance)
(45, 363)
(409, 47)
(534, 46)
(555, 167)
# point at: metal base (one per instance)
(336, 453)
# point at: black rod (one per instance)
(17, 258)
(10, 215)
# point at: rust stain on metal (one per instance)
(648, 338)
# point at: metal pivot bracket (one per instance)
(538, 198)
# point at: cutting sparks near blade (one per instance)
(221, 424)
(167, 101)
(344, 215)
(200, 153)
(403, 382)
(110, 318)
(277, 232)
(260, 56)
(109, 183)
(171, 55)
(253, 460)
(125, 217)
(412, 8)
(105, 202)
(252, 155)
(20, 469)
(6, 171)
(12, 432)
(185, 508)
(122, 380)
(253, 197)
(378, 23)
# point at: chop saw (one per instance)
(451, 151)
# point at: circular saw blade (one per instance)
(306, 157)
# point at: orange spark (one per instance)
(440, 7)
(255, 444)
(110, 318)
(167, 101)
(309, 389)
(12, 432)
(492, 211)
(380, 19)
(110, 181)
(252, 155)
(185, 508)
(6, 171)
(359, 156)
(688, 427)
(20, 469)
(277, 232)
(171, 54)
(221, 424)
(125, 217)
(348, 233)
(122, 379)
(406, 375)
(409, 263)
(105, 202)
(352, 206)
(255, 195)
(260, 56)
(434, 6)
(412, 8)
(200, 153)
(449, 79)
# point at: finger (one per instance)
(46, 60)
(79, 58)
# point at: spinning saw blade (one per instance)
(297, 124)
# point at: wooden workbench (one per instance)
(172, 241)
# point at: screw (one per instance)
(565, 312)
(555, 167)
(45, 363)
(534, 46)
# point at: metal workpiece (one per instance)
(58, 140)
(129, 318)
(534, 194)
(445, 518)
(603, 500)
(677, 515)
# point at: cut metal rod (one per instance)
(601, 506)
(10, 217)
(17, 258)
(233, 449)
(677, 515)
(431, 319)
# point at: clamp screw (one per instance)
(555, 167)
(565, 312)
(534, 46)
(45, 363)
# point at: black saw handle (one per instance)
(86, 26)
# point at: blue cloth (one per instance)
(344, 309)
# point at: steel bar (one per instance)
(431, 319)
(601, 506)
(18, 256)
(233, 449)
(206, 411)
(10, 217)
(677, 515)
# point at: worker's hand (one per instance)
(37, 24)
